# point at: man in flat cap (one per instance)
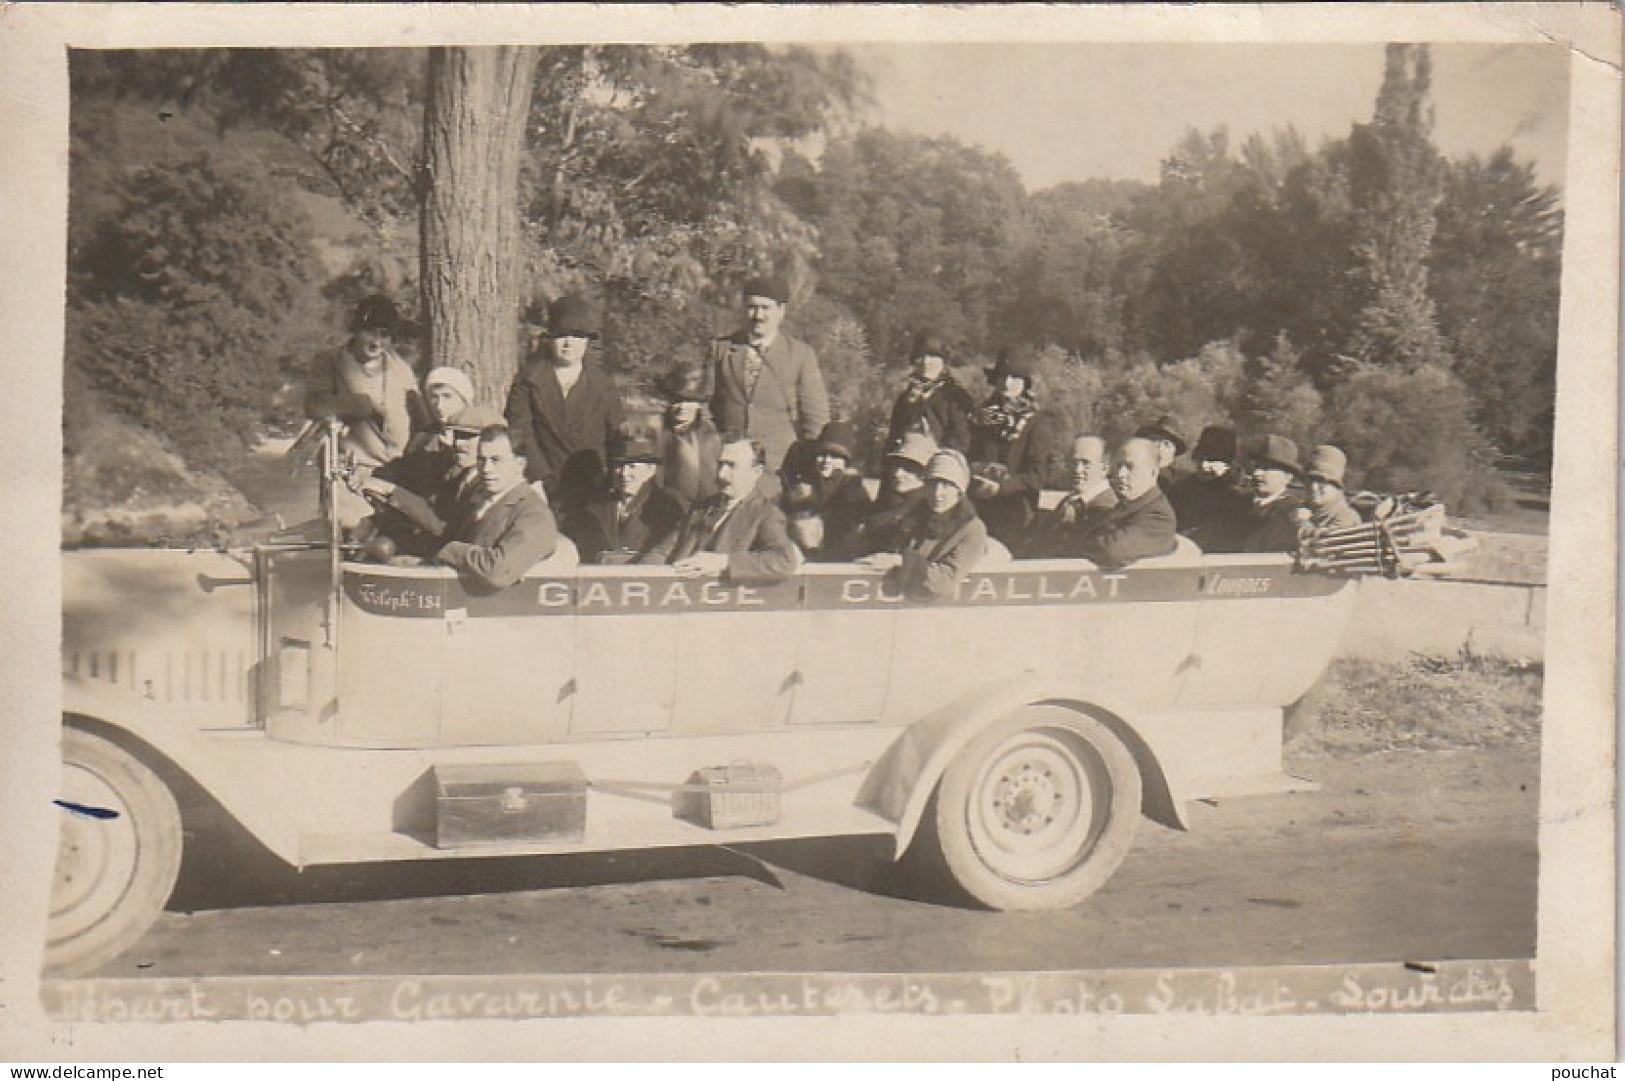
(563, 407)
(1211, 506)
(628, 521)
(768, 386)
(1016, 451)
(1328, 505)
(1142, 525)
(1272, 516)
(1060, 533)
(932, 402)
(739, 533)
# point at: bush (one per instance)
(181, 303)
(1412, 429)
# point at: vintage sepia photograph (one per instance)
(824, 514)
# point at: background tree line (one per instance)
(228, 206)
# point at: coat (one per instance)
(431, 490)
(688, 462)
(939, 551)
(599, 529)
(1139, 528)
(1212, 511)
(492, 551)
(379, 412)
(753, 537)
(840, 503)
(1061, 534)
(881, 528)
(788, 402)
(943, 413)
(1035, 459)
(1339, 515)
(564, 438)
(1272, 527)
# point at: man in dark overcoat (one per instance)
(1212, 508)
(1272, 516)
(625, 523)
(1142, 525)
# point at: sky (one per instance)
(1075, 111)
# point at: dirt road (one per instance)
(1401, 856)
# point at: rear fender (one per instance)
(899, 786)
(144, 728)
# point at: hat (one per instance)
(1277, 451)
(770, 286)
(1012, 364)
(929, 343)
(688, 381)
(838, 437)
(1327, 463)
(376, 312)
(915, 448)
(535, 311)
(634, 447)
(455, 378)
(476, 418)
(949, 465)
(572, 317)
(1164, 429)
(1216, 444)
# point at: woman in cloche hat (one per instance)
(943, 540)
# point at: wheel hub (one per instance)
(1027, 799)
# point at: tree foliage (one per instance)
(1319, 292)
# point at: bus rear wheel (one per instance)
(118, 854)
(1039, 810)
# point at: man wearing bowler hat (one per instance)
(768, 386)
(1272, 515)
(1016, 451)
(563, 407)
(626, 522)
(1212, 509)
(689, 444)
(932, 402)
(1323, 475)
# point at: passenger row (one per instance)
(435, 476)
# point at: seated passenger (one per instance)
(827, 502)
(1142, 525)
(943, 539)
(624, 524)
(902, 489)
(498, 539)
(1272, 516)
(414, 505)
(1164, 436)
(1328, 505)
(739, 533)
(1211, 508)
(1060, 534)
(690, 443)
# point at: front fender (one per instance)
(150, 725)
(900, 784)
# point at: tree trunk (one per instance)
(473, 136)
